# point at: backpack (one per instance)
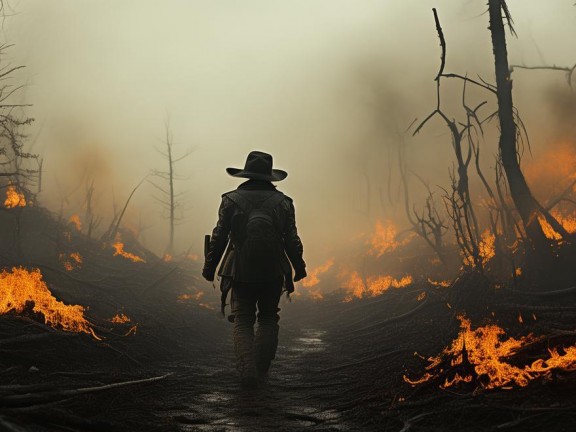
(256, 237)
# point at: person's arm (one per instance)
(292, 242)
(219, 239)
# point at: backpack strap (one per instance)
(273, 200)
(246, 205)
(241, 201)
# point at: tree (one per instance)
(169, 198)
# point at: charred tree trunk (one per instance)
(526, 204)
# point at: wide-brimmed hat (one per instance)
(258, 166)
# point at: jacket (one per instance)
(220, 239)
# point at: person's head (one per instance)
(258, 166)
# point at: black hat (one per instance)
(258, 166)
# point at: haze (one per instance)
(327, 87)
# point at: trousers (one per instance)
(250, 303)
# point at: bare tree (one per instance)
(169, 198)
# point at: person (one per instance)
(256, 229)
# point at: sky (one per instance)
(329, 87)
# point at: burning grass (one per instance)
(481, 357)
(372, 286)
(24, 290)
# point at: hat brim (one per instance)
(277, 175)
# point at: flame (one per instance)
(167, 257)
(75, 220)
(119, 250)
(421, 296)
(384, 240)
(192, 257)
(14, 198)
(312, 278)
(71, 261)
(374, 286)
(443, 284)
(567, 221)
(486, 349)
(486, 249)
(22, 289)
(120, 318)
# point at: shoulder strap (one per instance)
(273, 200)
(242, 202)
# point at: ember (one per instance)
(120, 318)
(71, 261)
(22, 289)
(484, 350)
(14, 198)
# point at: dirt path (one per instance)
(294, 398)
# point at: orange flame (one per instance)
(486, 249)
(71, 261)
(374, 286)
(443, 284)
(167, 257)
(75, 220)
(119, 250)
(120, 318)
(312, 279)
(486, 350)
(567, 221)
(14, 198)
(22, 289)
(384, 239)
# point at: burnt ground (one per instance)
(340, 366)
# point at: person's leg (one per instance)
(266, 340)
(243, 302)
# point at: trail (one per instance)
(208, 396)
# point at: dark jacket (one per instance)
(219, 241)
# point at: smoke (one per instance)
(330, 89)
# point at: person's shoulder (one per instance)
(286, 197)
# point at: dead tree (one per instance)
(528, 208)
(458, 202)
(169, 198)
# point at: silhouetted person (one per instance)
(258, 224)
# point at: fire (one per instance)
(485, 350)
(192, 257)
(120, 318)
(443, 284)
(373, 286)
(312, 278)
(25, 290)
(384, 239)
(14, 198)
(71, 261)
(486, 249)
(567, 221)
(119, 250)
(75, 220)
(167, 257)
